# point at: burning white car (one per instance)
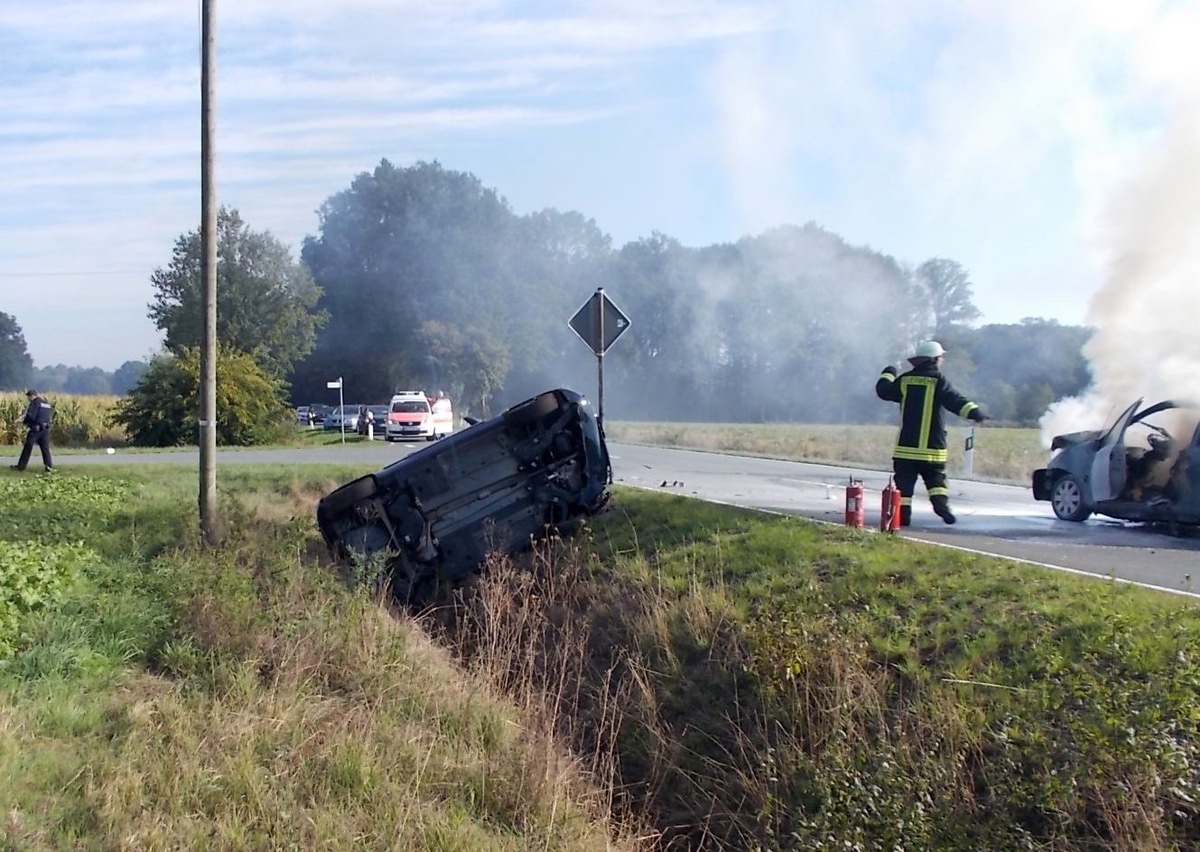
(1144, 467)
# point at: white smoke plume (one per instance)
(1147, 312)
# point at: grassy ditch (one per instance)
(676, 676)
(768, 683)
(155, 694)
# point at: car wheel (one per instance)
(343, 498)
(1066, 499)
(533, 410)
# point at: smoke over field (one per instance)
(1147, 313)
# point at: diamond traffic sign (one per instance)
(599, 322)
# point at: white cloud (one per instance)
(991, 133)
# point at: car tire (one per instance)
(1066, 498)
(533, 410)
(343, 498)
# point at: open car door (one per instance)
(1108, 467)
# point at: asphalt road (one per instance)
(1001, 520)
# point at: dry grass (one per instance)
(652, 688)
(1001, 454)
(349, 732)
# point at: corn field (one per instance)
(78, 421)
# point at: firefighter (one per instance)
(37, 421)
(921, 446)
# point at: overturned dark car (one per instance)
(436, 513)
(1144, 467)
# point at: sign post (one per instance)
(969, 452)
(599, 322)
(341, 404)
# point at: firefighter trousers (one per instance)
(934, 475)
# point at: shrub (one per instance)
(162, 408)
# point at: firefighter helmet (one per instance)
(929, 349)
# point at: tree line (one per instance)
(17, 371)
(421, 277)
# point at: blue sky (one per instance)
(997, 134)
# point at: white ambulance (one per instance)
(414, 415)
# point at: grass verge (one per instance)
(155, 694)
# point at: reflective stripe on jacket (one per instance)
(923, 393)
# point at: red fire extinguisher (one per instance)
(855, 511)
(889, 513)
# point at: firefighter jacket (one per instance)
(923, 392)
(37, 415)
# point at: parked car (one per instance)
(346, 414)
(379, 416)
(413, 414)
(1145, 466)
(436, 513)
(318, 411)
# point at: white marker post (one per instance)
(969, 452)
(341, 404)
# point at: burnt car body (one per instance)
(1144, 467)
(493, 487)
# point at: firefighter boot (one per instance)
(941, 505)
(905, 514)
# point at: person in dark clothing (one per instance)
(923, 392)
(37, 421)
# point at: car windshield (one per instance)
(413, 406)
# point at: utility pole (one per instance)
(208, 266)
